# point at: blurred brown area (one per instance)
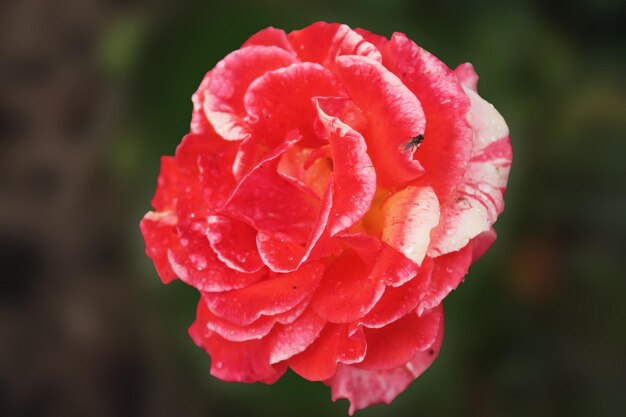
(93, 91)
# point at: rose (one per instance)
(334, 188)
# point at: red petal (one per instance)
(319, 361)
(467, 76)
(255, 330)
(449, 271)
(476, 203)
(393, 267)
(396, 302)
(395, 344)
(409, 217)
(394, 113)
(167, 185)
(195, 263)
(288, 340)
(373, 38)
(355, 178)
(364, 387)
(237, 361)
(285, 255)
(269, 37)
(347, 291)
(482, 242)
(269, 297)
(223, 98)
(234, 243)
(159, 233)
(448, 138)
(322, 42)
(280, 101)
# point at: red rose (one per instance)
(334, 188)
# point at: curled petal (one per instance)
(272, 296)
(394, 113)
(395, 344)
(222, 98)
(355, 177)
(448, 137)
(409, 216)
(334, 345)
(159, 233)
(322, 42)
(234, 243)
(366, 387)
(479, 199)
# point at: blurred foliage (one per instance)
(538, 329)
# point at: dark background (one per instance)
(92, 93)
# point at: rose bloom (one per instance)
(334, 187)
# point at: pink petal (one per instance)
(355, 178)
(272, 296)
(322, 42)
(479, 199)
(447, 142)
(347, 291)
(234, 243)
(373, 38)
(364, 387)
(288, 340)
(222, 96)
(409, 217)
(467, 76)
(397, 302)
(319, 361)
(269, 36)
(394, 113)
(395, 344)
(449, 271)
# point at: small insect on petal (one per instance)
(414, 143)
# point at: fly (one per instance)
(414, 143)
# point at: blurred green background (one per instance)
(93, 92)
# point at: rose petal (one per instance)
(255, 330)
(355, 178)
(322, 42)
(159, 233)
(395, 344)
(280, 101)
(393, 267)
(373, 38)
(481, 243)
(347, 291)
(467, 76)
(394, 113)
(269, 297)
(319, 361)
(195, 263)
(269, 36)
(222, 96)
(167, 185)
(479, 199)
(396, 302)
(286, 341)
(234, 243)
(447, 142)
(409, 216)
(449, 271)
(364, 387)
(237, 361)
